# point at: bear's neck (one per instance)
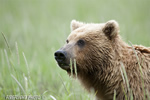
(105, 80)
(101, 83)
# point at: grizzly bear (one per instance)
(105, 63)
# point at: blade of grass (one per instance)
(3, 72)
(141, 72)
(6, 42)
(127, 81)
(43, 94)
(122, 75)
(17, 52)
(52, 97)
(94, 95)
(26, 82)
(114, 95)
(28, 71)
(63, 83)
(148, 96)
(75, 67)
(9, 67)
(131, 95)
(71, 67)
(124, 92)
(2, 58)
(18, 84)
(137, 58)
(125, 75)
(26, 65)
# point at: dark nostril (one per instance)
(56, 54)
(60, 55)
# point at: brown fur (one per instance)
(99, 62)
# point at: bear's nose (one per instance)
(60, 56)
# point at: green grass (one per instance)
(35, 29)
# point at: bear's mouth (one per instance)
(64, 66)
(68, 67)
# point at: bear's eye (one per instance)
(81, 43)
(67, 41)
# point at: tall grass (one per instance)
(32, 30)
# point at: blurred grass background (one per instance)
(35, 29)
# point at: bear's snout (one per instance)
(61, 57)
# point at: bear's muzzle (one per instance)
(61, 57)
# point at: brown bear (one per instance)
(105, 63)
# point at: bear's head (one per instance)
(90, 45)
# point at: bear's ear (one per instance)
(111, 29)
(75, 24)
